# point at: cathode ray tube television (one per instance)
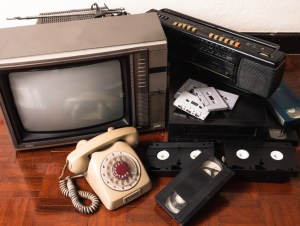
(64, 82)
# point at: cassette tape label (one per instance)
(191, 105)
(211, 99)
(189, 87)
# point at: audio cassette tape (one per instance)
(229, 98)
(261, 161)
(189, 86)
(211, 99)
(169, 158)
(191, 104)
(193, 187)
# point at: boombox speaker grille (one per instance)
(257, 78)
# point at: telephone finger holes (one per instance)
(194, 154)
(242, 154)
(163, 155)
(120, 171)
(276, 155)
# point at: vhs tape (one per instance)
(241, 61)
(191, 189)
(261, 161)
(169, 158)
(276, 132)
(250, 159)
(285, 105)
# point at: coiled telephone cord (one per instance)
(68, 189)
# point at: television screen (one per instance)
(69, 98)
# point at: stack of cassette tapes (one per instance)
(197, 99)
(246, 117)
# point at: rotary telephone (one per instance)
(110, 166)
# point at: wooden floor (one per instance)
(29, 193)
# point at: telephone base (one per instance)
(117, 175)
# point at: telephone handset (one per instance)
(111, 166)
(78, 159)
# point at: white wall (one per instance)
(241, 15)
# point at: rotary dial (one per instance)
(120, 171)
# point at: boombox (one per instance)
(241, 61)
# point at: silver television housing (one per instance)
(139, 37)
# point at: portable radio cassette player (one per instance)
(244, 62)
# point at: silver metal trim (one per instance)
(79, 54)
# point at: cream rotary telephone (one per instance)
(110, 166)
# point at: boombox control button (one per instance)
(211, 35)
(237, 44)
(231, 42)
(189, 27)
(163, 17)
(184, 26)
(179, 24)
(175, 23)
(226, 40)
(264, 54)
(216, 37)
(194, 29)
(221, 39)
